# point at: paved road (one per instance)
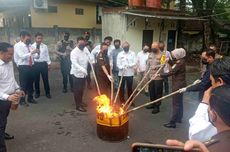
(54, 125)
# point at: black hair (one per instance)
(117, 40)
(80, 39)
(38, 34)
(24, 33)
(67, 33)
(108, 38)
(5, 46)
(220, 102)
(210, 53)
(220, 68)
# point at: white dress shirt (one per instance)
(80, 60)
(8, 84)
(126, 63)
(44, 53)
(96, 51)
(200, 128)
(142, 58)
(22, 54)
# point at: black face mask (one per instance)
(204, 61)
(66, 38)
(28, 41)
(117, 46)
(162, 49)
(126, 49)
(81, 46)
(154, 50)
(105, 51)
(146, 50)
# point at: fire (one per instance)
(104, 107)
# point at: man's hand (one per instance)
(207, 95)
(189, 145)
(110, 78)
(20, 93)
(84, 71)
(14, 98)
(182, 90)
(49, 66)
(35, 51)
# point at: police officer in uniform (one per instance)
(64, 48)
(102, 70)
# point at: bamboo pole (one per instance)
(95, 78)
(119, 87)
(129, 103)
(112, 86)
(162, 98)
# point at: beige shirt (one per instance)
(153, 63)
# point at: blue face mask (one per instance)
(81, 46)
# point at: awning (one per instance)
(164, 16)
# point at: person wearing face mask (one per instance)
(178, 81)
(115, 70)
(142, 58)
(167, 66)
(64, 48)
(200, 128)
(208, 57)
(79, 57)
(218, 113)
(126, 62)
(102, 70)
(156, 85)
(25, 54)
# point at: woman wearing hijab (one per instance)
(178, 81)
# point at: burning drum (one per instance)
(111, 125)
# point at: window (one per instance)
(52, 9)
(79, 11)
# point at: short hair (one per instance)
(220, 68)
(5, 46)
(103, 44)
(108, 38)
(67, 33)
(220, 102)
(117, 41)
(38, 34)
(24, 33)
(80, 39)
(210, 53)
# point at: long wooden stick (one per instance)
(162, 98)
(139, 84)
(112, 86)
(129, 103)
(119, 86)
(95, 78)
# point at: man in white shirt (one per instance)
(108, 40)
(41, 66)
(200, 127)
(25, 55)
(8, 88)
(126, 62)
(79, 57)
(142, 58)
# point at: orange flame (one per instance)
(104, 107)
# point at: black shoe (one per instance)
(32, 101)
(36, 95)
(8, 136)
(48, 96)
(64, 90)
(155, 110)
(84, 104)
(170, 125)
(23, 103)
(81, 109)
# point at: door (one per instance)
(171, 40)
(147, 37)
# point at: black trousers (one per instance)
(4, 112)
(65, 70)
(166, 85)
(26, 78)
(41, 68)
(156, 90)
(128, 82)
(78, 89)
(88, 78)
(177, 112)
(104, 84)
